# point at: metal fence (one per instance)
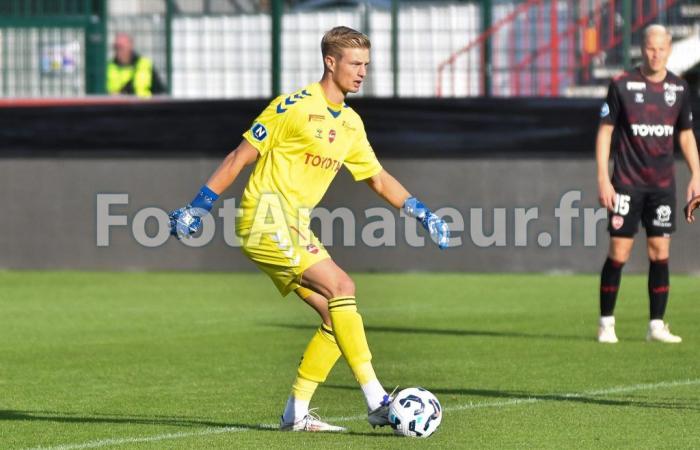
(51, 48)
(206, 48)
(257, 48)
(231, 55)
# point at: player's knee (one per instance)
(656, 254)
(620, 251)
(658, 249)
(619, 255)
(343, 286)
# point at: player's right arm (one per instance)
(606, 191)
(258, 140)
(187, 220)
(608, 118)
(229, 169)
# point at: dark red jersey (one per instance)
(646, 116)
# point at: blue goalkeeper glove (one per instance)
(185, 222)
(437, 227)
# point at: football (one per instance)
(415, 412)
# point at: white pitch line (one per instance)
(467, 406)
(135, 440)
(573, 395)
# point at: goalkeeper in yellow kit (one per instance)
(298, 144)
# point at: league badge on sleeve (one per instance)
(604, 110)
(259, 131)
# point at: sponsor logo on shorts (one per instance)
(331, 136)
(663, 216)
(617, 222)
(259, 131)
(604, 110)
(311, 248)
(655, 130)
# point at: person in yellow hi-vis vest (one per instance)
(130, 73)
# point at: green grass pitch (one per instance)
(184, 360)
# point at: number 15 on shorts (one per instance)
(622, 204)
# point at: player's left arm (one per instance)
(689, 147)
(391, 190)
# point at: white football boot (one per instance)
(311, 423)
(606, 330)
(659, 332)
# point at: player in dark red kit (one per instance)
(649, 107)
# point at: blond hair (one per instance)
(339, 38)
(654, 29)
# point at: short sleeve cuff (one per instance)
(367, 173)
(248, 136)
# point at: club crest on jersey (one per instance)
(259, 131)
(670, 97)
(331, 136)
(604, 110)
(617, 222)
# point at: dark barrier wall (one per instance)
(50, 216)
(55, 206)
(397, 128)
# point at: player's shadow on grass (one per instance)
(446, 332)
(97, 418)
(527, 397)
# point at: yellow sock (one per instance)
(350, 335)
(316, 363)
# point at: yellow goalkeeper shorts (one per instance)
(284, 256)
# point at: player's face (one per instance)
(655, 52)
(122, 49)
(351, 69)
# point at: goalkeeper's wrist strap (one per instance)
(204, 199)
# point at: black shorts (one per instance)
(656, 209)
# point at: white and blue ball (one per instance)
(415, 412)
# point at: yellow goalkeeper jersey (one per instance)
(303, 140)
